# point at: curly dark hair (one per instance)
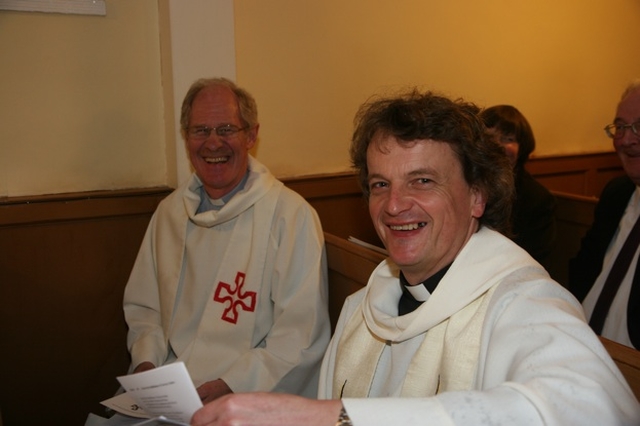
(415, 116)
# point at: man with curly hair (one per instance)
(459, 325)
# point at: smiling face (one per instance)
(421, 206)
(219, 162)
(628, 146)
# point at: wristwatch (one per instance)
(343, 418)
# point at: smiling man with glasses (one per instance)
(599, 276)
(231, 277)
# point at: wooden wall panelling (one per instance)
(584, 174)
(64, 262)
(340, 204)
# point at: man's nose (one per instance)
(213, 140)
(628, 137)
(398, 201)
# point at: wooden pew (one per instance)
(351, 264)
(628, 361)
(574, 215)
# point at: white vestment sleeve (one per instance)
(146, 339)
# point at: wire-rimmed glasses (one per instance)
(201, 133)
(617, 130)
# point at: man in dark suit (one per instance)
(618, 317)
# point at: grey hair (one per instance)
(631, 87)
(246, 103)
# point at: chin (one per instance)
(402, 256)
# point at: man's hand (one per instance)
(213, 390)
(267, 409)
(143, 366)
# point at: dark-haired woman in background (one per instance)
(533, 216)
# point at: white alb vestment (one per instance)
(238, 293)
(498, 342)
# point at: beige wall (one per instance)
(89, 102)
(311, 63)
(81, 101)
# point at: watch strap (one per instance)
(343, 418)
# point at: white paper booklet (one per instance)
(164, 395)
(367, 245)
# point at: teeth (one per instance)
(215, 159)
(408, 227)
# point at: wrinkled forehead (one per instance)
(384, 140)
(385, 143)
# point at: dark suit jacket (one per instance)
(586, 266)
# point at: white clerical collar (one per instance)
(419, 292)
(423, 290)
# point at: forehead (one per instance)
(629, 107)
(388, 154)
(215, 105)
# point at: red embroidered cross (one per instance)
(236, 297)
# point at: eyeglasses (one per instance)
(616, 131)
(201, 133)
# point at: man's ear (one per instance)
(252, 136)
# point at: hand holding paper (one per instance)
(165, 391)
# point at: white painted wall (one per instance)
(202, 45)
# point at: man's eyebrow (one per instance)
(412, 173)
(422, 171)
(375, 176)
(620, 120)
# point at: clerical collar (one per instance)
(413, 295)
(207, 203)
(423, 290)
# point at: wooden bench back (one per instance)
(574, 215)
(628, 361)
(350, 266)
